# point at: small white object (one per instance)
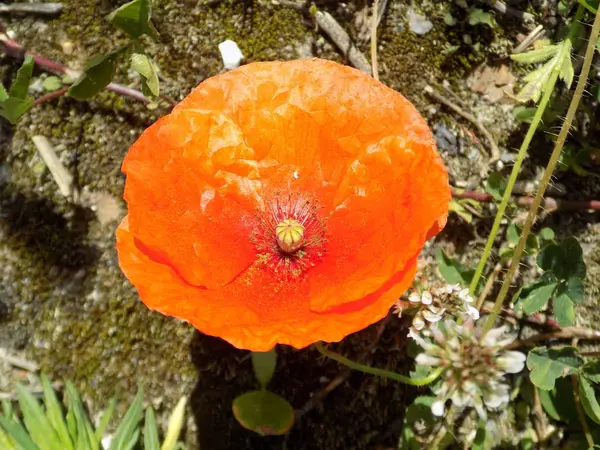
(231, 54)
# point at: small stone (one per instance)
(418, 23)
(231, 54)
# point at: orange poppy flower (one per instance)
(281, 202)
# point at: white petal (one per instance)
(418, 322)
(495, 399)
(414, 298)
(512, 362)
(491, 337)
(464, 295)
(460, 399)
(437, 408)
(473, 312)
(426, 298)
(431, 317)
(424, 359)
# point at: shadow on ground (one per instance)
(363, 412)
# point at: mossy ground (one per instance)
(70, 308)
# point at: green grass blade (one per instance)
(79, 420)
(176, 422)
(6, 442)
(17, 432)
(150, 432)
(7, 409)
(105, 420)
(55, 414)
(130, 424)
(36, 422)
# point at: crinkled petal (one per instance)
(247, 317)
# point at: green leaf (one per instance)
(264, 364)
(496, 185)
(523, 113)
(176, 422)
(420, 410)
(477, 16)
(480, 437)
(55, 414)
(453, 271)
(591, 370)
(564, 311)
(534, 297)
(39, 427)
(52, 83)
(143, 65)
(134, 19)
(99, 72)
(13, 108)
(536, 56)
(546, 365)
(16, 431)
(546, 234)
(589, 400)
(548, 403)
(263, 412)
(150, 432)
(129, 425)
(6, 442)
(574, 266)
(567, 73)
(3, 94)
(20, 86)
(104, 421)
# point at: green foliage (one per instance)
(548, 364)
(143, 65)
(477, 16)
(16, 102)
(263, 412)
(564, 270)
(453, 271)
(52, 83)
(496, 185)
(465, 208)
(558, 61)
(264, 364)
(45, 426)
(99, 72)
(134, 18)
(575, 158)
(589, 401)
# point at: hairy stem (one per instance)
(560, 141)
(537, 118)
(434, 375)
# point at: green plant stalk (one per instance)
(380, 372)
(537, 118)
(589, 7)
(560, 142)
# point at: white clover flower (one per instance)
(476, 365)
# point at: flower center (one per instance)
(290, 235)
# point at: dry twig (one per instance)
(550, 204)
(61, 175)
(48, 9)
(18, 362)
(493, 147)
(339, 36)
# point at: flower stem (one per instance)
(434, 375)
(560, 141)
(537, 118)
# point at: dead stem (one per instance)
(493, 147)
